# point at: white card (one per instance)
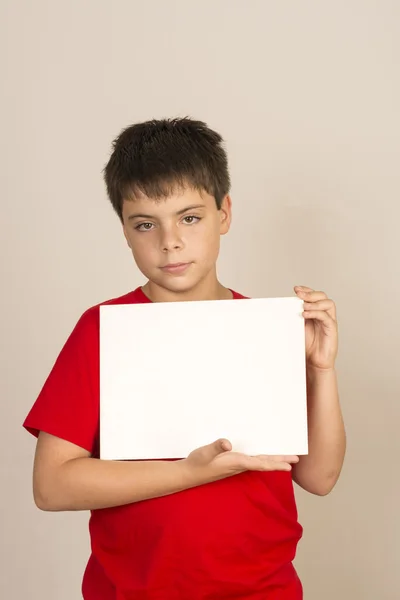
(176, 376)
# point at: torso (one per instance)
(234, 538)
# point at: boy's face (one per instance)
(175, 242)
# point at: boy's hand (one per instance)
(217, 461)
(321, 328)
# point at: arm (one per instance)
(319, 471)
(67, 478)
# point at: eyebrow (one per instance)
(179, 212)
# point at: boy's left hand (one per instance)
(321, 328)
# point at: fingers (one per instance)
(319, 305)
(316, 301)
(268, 465)
(292, 458)
(271, 463)
(311, 295)
(319, 315)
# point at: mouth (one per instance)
(176, 268)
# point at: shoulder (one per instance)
(89, 321)
(237, 296)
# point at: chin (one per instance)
(178, 285)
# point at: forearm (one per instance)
(319, 470)
(89, 483)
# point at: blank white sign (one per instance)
(176, 376)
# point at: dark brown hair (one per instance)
(155, 157)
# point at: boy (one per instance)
(217, 524)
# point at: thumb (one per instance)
(218, 447)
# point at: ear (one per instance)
(225, 213)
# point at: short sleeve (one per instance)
(69, 402)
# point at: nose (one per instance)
(171, 240)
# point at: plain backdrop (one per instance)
(307, 96)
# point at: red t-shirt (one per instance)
(234, 538)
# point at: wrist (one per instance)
(313, 371)
(190, 475)
(316, 376)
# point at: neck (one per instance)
(208, 289)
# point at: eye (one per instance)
(144, 227)
(190, 219)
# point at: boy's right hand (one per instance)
(217, 461)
